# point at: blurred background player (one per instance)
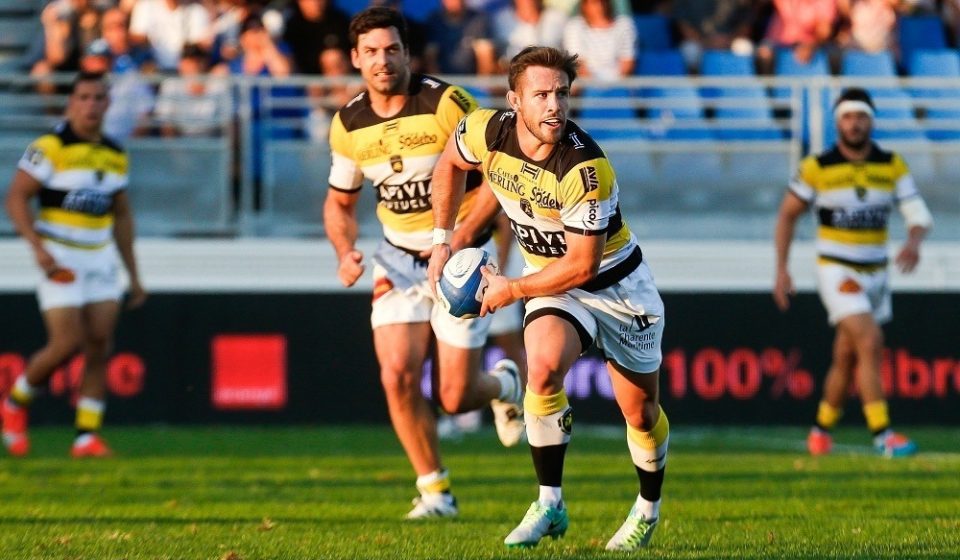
(506, 333)
(80, 178)
(585, 281)
(392, 134)
(853, 186)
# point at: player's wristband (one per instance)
(514, 287)
(442, 236)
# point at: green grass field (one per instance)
(298, 493)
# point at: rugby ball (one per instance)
(462, 285)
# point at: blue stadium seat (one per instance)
(747, 102)
(653, 32)
(858, 63)
(785, 64)
(619, 118)
(942, 63)
(920, 32)
(660, 63)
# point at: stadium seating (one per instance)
(653, 32)
(858, 63)
(785, 64)
(918, 33)
(660, 63)
(939, 63)
(605, 113)
(738, 103)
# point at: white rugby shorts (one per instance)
(845, 291)
(402, 294)
(625, 320)
(96, 277)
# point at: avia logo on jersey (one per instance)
(540, 243)
(87, 201)
(374, 150)
(407, 198)
(588, 174)
(544, 199)
(506, 181)
(411, 141)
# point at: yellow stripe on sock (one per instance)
(877, 415)
(89, 420)
(827, 415)
(545, 405)
(655, 437)
(436, 487)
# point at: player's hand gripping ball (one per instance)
(462, 285)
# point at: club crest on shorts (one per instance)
(566, 421)
(396, 163)
(526, 207)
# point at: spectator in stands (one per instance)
(312, 28)
(604, 40)
(459, 41)
(868, 25)
(324, 101)
(125, 55)
(259, 54)
(131, 98)
(803, 26)
(663, 7)
(192, 104)
(525, 23)
(713, 24)
(69, 26)
(166, 26)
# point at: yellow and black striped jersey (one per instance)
(853, 201)
(397, 155)
(573, 190)
(80, 179)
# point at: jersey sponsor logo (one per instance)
(411, 141)
(396, 163)
(540, 243)
(593, 208)
(391, 126)
(879, 180)
(872, 217)
(529, 170)
(87, 201)
(33, 156)
(430, 82)
(374, 150)
(460, 99)
(577, 143)
(407, 198)
(526, 207)
(589, 176)
(506, 181)
(544, 199)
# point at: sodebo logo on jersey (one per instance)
(540, 243)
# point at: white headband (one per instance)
(850, 106)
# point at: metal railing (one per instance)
(694, 156)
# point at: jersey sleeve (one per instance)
(37, 159)
(803, 183)
(471, 136)
(905, 188)
(586, 197)
(455, 104)
(345, 174)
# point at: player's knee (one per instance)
(97, 347)
(452, 398)
(398, 382)
(643, 417)
(870, 340)
(63, 346)
(544, 374)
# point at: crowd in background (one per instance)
(185, 39)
